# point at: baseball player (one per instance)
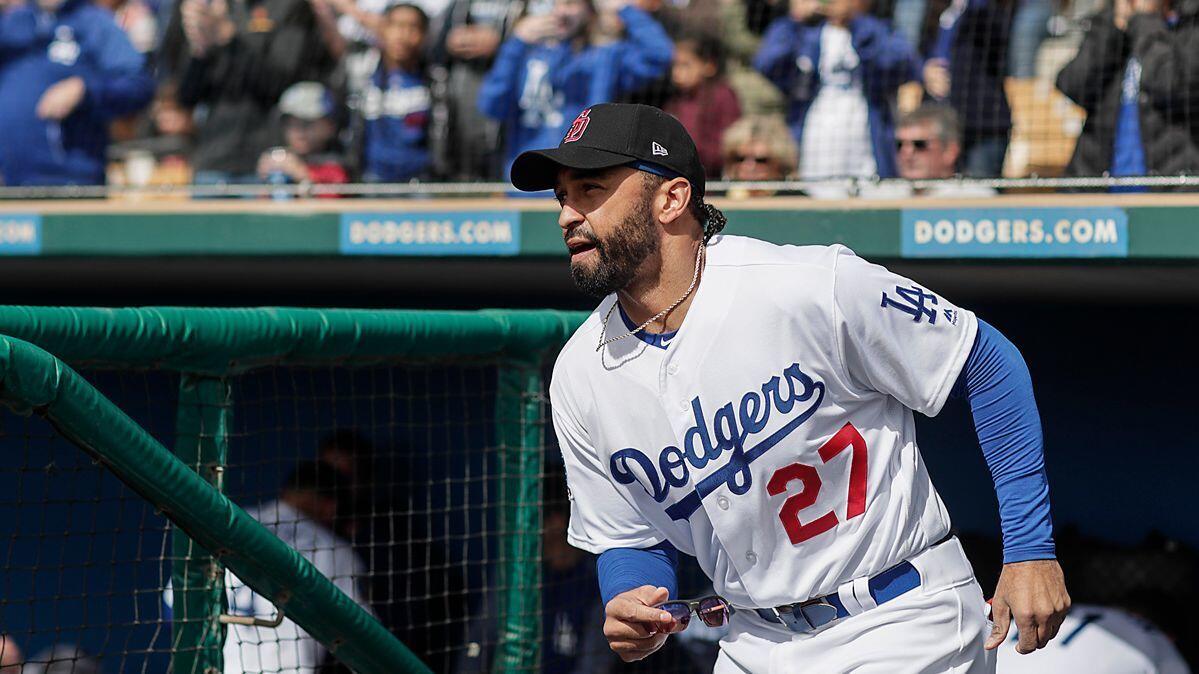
(1098, 640)
(751, 405)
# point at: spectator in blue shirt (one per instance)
(396, 103)
(549, 71)
(1136, 75)
(839, 70)
(66, 70)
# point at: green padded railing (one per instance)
(207, 345)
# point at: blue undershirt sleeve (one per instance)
(622, 569)
(998, 386)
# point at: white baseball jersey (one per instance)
(1097, 640)
(288, 648)
(773, 438)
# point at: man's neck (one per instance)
(645, 297)
(406, 65)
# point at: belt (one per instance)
(814, 614)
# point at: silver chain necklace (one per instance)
(699, 256)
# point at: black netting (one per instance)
(801, 89)
(390, 480)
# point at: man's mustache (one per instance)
(582, 234)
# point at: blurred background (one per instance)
(1034, 160)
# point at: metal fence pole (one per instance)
(197, 578)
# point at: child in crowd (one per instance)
(309, 129)
(396, 102)
(702, 100)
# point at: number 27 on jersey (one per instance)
(808, 480)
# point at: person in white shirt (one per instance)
(304, 518)
(1098, 640)
(840, 69)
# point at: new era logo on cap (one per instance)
(658, 150)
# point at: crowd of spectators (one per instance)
(226, 92)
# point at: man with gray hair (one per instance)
(927, 147)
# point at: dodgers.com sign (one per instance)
(1015, 232)
(431, 233)
(20, 234)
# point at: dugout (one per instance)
(1101, 310)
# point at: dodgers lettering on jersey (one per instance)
(774, 438)
(732, 431)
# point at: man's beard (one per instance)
(620, 254)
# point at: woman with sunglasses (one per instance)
(759, 148)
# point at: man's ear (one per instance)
(674, 196)
(953, 152)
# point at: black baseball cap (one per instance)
(614, 134)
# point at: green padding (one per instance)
(32, 380)
(228, 341)
(519, 425)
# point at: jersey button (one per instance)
(673, 368)
(685, 404)
(751, 557)
(723, 502)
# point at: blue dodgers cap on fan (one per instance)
(615, 134)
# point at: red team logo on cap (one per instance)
(578, 127)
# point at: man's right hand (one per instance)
(804, 11)
(1121, 10)
(206, 24)
(635, 628)
(535, 29)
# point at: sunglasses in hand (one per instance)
(714, 611)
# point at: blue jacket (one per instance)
(38, 49)
(790, 58)
(395, 109)
(538, 90)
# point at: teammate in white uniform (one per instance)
(1098, 640)
(302, 518)
(769, 434)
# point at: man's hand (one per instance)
(61, 99)
(206, 24)
(282, 160)
(472, 42)
(804, 10)
(936, 78)
(1121, 12)
(633, 627)
(1034, 594)
(535, 29)
(1153, 7)
(196, 26)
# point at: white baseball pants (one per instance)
(938, 627)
